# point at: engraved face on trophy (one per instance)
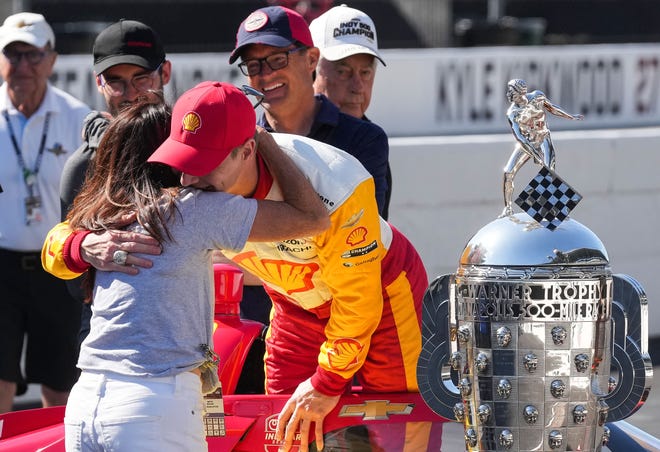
(531, 362)
(506, 439)
(484, 412)
(463, 333)
(582, 362)
(503, 336)
(531, 414)
(459, 411)
(611, 384)
(481, 362)
(470, 437)
(555, 439)
(579, 414)
(465, 387)
(558, 335)
(504, 388)
(557, 389)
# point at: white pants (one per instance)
(119, 413)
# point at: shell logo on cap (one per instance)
(191, 122)
(255, 21)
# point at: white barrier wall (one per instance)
(459, 90)
(446, 188)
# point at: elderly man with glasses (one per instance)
(39, 130)
(129, 62)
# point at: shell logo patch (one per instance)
(255, 21)
(289, 276)
(344, 353)
(191, 122)
(357, 236)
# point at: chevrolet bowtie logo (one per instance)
(376, 410)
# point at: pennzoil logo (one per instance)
(191, 122)
(376, 410)
(357, 236)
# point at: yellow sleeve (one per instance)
(350, 257)
(52, 253)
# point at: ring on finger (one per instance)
(119, 257)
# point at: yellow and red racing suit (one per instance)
(346, 302)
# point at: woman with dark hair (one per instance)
(151, 333)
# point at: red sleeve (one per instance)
(71, 252)
(329, 383)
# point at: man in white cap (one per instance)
(347, 40)
(39, 129)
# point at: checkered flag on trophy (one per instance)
(548, 199)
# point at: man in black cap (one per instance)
(129, 62)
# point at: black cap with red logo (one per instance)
(127, 42)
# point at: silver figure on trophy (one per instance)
(527, 119)
(534, 344)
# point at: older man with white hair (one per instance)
(347, 40)
(40, 127)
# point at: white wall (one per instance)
(446, 188)
(459, 90)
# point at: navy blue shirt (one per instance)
(364, 140)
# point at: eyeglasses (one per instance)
(275, 61)
(33, 57)
(249, 91)
(141, 83)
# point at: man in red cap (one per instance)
(347, 302)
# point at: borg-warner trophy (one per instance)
(533, 344)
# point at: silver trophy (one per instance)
(534, 344)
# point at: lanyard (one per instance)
(29, 176)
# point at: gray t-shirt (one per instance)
(153, 324)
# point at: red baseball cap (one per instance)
(208, 121)
(275, 26)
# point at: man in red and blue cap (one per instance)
(278, 56)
